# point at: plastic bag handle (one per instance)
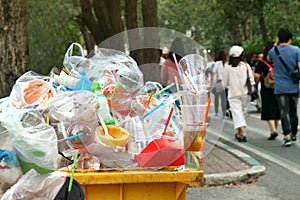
(71, 47)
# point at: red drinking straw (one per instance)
(168, 120)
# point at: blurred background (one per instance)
(34, 34)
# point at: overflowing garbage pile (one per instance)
(100, 106)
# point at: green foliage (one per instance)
(52, 25)
(215, 19)
(194, 16)
(51, 28)
(254, 46)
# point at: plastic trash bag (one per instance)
(35, 141)
(73, 106)
(108, 66)
(83, 83)
(74, 67)
(10, 170)
(33, 185)
(69, 108)
(76, 193)
(151, 146)
(75, 64)
(113, 68)
(63, 81)
(31, 90)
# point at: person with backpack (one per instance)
(286, 59)
(264, 73)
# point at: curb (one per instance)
(256, 169)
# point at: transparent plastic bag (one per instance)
(31, 90)
(35, 141)
(10, 170)
(68, 108)
(73, 106)
(72, 75)
(108, 66)
(75, 63)
(152, 143)
(118, 71)
(33, 185)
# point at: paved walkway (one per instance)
(224, 165)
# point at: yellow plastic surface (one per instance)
(138, 185)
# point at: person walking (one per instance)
(235, 76)
(218, 88)
(285, 89)
(169, 70)
(269, 110)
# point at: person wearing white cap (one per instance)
(234, 78)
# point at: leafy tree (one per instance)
(52, 27)
(204, 19)
(221, 23)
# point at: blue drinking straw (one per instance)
(74, 137)
(152, 110)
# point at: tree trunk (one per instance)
(134, 38)
(108, 14)
(262, 24)
(88, 38)
(151, 68)
(89, 20)
(14, 57)
(151, 38)
(103, 20)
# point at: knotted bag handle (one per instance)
(71, 47)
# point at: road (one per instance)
(281, 180)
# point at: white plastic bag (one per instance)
(10, 170)
(32, 90)
(35, 141)
(73, 106)
(35, 186)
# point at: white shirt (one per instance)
(218, 70)
(234, 78)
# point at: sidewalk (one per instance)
(224, 165)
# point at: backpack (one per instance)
(269, 79)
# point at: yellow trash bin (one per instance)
(138, 184)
